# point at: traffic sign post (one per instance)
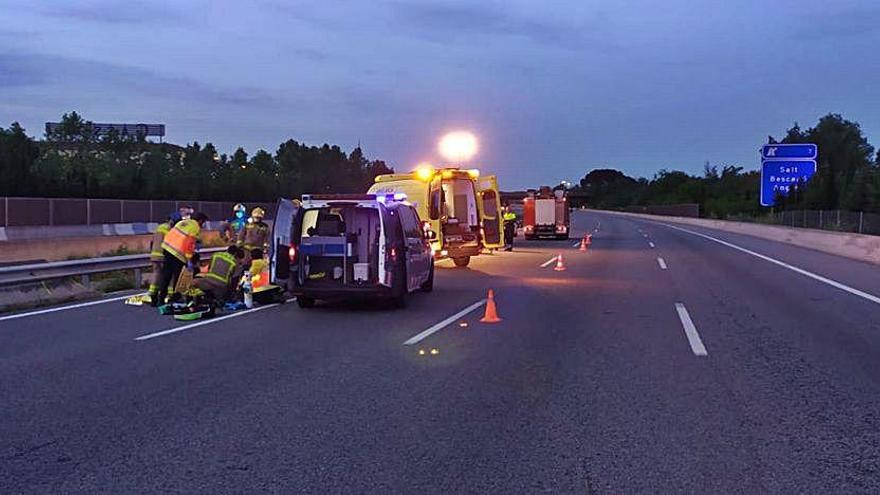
(785, 167)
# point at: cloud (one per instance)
(445, 21)
(440, 21)
(835, 26)
(106, 12)
(72, 75)
(454, 19)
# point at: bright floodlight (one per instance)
(458, 146)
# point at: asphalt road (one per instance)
(722, 372)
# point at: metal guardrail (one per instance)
(38, 272)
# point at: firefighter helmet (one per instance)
(258, 213)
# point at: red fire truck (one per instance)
(545, 214)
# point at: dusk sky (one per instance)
(552, 89)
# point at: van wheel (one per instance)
(399, 289)
(428, 285)
(462, 262)
(305, 302)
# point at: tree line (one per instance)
(847, 178)
(72, 161)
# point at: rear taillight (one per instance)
(392, 254)
(291, 253)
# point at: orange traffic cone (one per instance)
(560, 266)
(583, 244)
(491, 315)
(589, 239)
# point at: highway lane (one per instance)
(589, 384)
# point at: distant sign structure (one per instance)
(146, 130)
(785, 167)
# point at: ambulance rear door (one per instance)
(490, 212)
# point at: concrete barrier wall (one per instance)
(680, 210)
(20, 212)
(31, 233)
(37, 250)
(855, 246)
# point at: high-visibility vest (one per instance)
(222, 266)
(259, 273)
(156, 244)
(256, 235)
(509, 217)
(181, 240)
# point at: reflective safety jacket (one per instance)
(156, 243)
(259, 274)
(256, 235)
(181, 240)
(222, 267)
(509, 216)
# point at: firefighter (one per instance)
(509, 228)
(157, 256)
(259, 270)
(233, 230)
(256, 232)
(178, 248)
(225, 267)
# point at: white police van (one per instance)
(343, 246)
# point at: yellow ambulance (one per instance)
(460, 206)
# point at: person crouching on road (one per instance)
(222, 274)
(178, 248)
(259, 270)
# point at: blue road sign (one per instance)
(781, 176)
(789, 151)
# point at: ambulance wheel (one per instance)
(428, 285)
(305, 302)
(462, 261)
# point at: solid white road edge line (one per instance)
(415, 339)
(651, 244)
(690, 331)
(64, 308)
(820, 278)
(662, 263)
(546, 263)
(576, 244)
(204, 322)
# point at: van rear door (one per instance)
(490, 212)
(282, 232)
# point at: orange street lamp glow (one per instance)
(458, 146)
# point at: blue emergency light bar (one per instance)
(387, 198)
